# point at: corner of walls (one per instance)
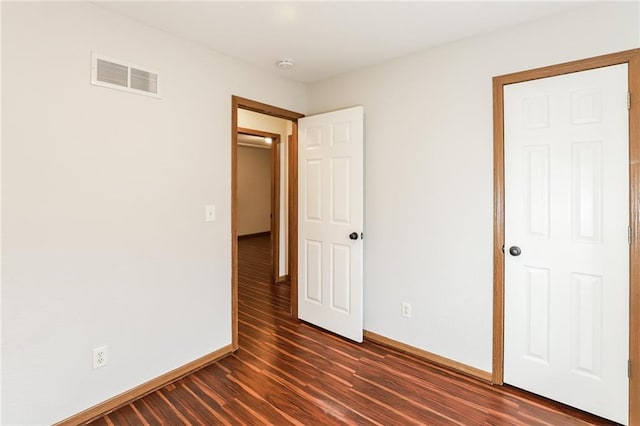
(428, 172)
(1, 185)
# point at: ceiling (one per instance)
(327, 38)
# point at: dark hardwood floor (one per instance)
(288, 372)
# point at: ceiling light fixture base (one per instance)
(285, 64)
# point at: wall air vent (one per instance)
(116, 74)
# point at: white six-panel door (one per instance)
(330, 200)
(567, 210)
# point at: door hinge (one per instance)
(629, 369)
(628, 100)
(629, 234)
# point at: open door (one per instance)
(330, 221)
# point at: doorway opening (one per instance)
(245, 121)
(259, 190)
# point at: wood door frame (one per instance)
(632, 59)
(275, 195)
(248, 104)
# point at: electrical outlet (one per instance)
(405, 310)
(100, 357)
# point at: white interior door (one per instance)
(566, 194)
(330, 221)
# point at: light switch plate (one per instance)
(210, 213)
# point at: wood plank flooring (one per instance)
(288, 372)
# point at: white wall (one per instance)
(428, 177)
(104, 240)
(254, 190)
(256, 121)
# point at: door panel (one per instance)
(330, 160)
(566, 207)
(313, 196)
(537, 320)
(340, 277)
(341, 190)
(313, 278)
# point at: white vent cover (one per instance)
(116, 74)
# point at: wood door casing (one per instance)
(632, 58)
(248, 104)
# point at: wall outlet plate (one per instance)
(405, 310)
(100, 358)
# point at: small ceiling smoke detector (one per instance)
(285, 64)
